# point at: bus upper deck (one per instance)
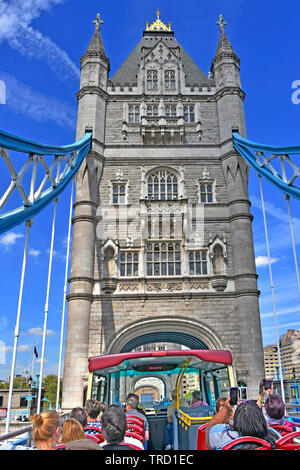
(113, 377)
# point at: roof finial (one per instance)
(158, 25)
(221, 23)
(98, 22)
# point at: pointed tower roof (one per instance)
(224, 48)
(96, 47)
(157, 32)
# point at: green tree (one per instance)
(50, 390)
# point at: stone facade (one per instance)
(162, 241)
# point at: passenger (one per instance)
(197, 399)
(73, 437)
(220, 402)
(79, 414)
(114, 428)
(93, 410)
(275, 412)
(248, 420)
(46, 430)
(132, 402)
(168, 444)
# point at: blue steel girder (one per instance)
(262, 157)
(65, 163)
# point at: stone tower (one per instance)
(162, 242)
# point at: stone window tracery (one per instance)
(198, 263)
(163, 258)
(152, 110)
(170, 81)
(129, 264)
(206, 192)
(152, 79)
(162, 185)
(189, 113)
(133, 114)
(170, 111)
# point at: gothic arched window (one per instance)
(162, 185)
(152, 79)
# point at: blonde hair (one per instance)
(72, 431)
(44, 426)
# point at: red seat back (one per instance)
(134, 428)
(263, 445)
(282, 429)
(134, 435)
(97, 434)
(93, 438)
(201, 437)
(135, 422)
(137, 418)
(287, 442)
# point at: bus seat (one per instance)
(283, 430)
(262, 444)
(137, 418)
(135, 436)
(135, 422)
(93, 438)
(201, 437)
(287, 442)
(134, 428)
(95, 432)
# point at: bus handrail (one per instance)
(190, 420)
(17, 433)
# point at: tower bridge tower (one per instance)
(162, 241)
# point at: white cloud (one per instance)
(16, 17)
(285, 311)
(39, 332)
(21, 348)
(34, 253)
(42, 108)
(264, 261)
(10, 239)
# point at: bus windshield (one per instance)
(154, 375)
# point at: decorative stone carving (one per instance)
(219, 283)
(164, 287)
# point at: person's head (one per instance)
(71, 431)
(220, 401)
(131, 404)
(275, 407)
(196, 396)
(79, 414)
(114, 424)
(46, 429)
(133, 396)
(93, 408)
(248, 420)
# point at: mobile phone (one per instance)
(268, 384)
(234, 395)
(262, 385)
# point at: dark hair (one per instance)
(132, 403)
(79, 414)
(220, 401)
(114, 424)
(197, 394)
(133, 396)
(248, 420)
(274, 407)
(93, 408)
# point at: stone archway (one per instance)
(185, 331)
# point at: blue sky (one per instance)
(41, 42)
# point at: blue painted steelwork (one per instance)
(78, 152)
(263, 166)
